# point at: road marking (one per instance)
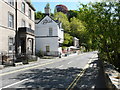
(23, 69)
(70, 62)
(74, 82)
(60, 66)
(27, 68)
(14, 83)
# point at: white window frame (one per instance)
(30, 13)
(50, 32)
(10, 20)
(23, 7)
(11, 2)
(10, 44)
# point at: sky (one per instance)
(71, 4)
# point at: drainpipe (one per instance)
(16, 35)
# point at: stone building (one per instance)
(17, 27)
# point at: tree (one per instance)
(68, 40)
(102, 22)
(39, 15)
(71, 14)
(63, 18)
(79, 30)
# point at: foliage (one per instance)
(63, 18)
(72, 13)
(40, 53)
(39, 15)
(68, 40)
(102, 22)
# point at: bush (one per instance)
(40, 54)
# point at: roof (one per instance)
(30, 5)
(39, 20)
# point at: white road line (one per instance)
(14, 83)
(70, 62)
(60, 66)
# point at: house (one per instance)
(17, 26)
(49, 35)
(76, 42)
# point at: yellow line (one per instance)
(74, 82)
(28, 68)
(33, 66)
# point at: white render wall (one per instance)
(43, 30)
(43, 39)
(41, 44)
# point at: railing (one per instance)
(9, 59)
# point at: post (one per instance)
(2, 58)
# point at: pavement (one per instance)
(75, 71)
(113, 74)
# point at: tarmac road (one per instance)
(54, 73)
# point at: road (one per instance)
(56, 73)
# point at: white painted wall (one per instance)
(42, 36)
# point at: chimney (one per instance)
(47, 9)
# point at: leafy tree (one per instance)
(71, 14)
(63, 18)
(68, 40)
(102, 22)
(39, 15)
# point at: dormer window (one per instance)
(23, 7)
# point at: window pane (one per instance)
(11, 2)
(29, 13)
(10, 20)
(10, 43)
(50, 32)
(23, 7)
(47, 49)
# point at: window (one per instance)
(50, 32)
(11, 2)
(29, 13)
(23, 23)
(23, 7)
(30, 44)
(30, 26)
(10, 44)
(47, 49)
(10, 20)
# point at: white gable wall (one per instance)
(42, 36)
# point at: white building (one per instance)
(49, 35)
(76, 42)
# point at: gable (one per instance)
(47, 20)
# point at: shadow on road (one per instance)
(48, 78)
(93, 77)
